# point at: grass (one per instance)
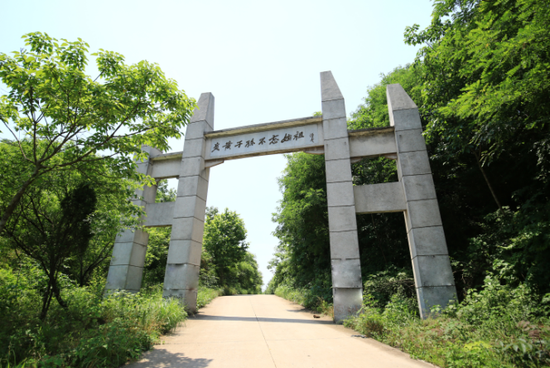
(95, 331)
(499, 326)
(307, 298)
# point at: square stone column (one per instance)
(184, 254)
(128, 260)
(347, 288)
(433, 275)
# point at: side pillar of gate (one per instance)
(347, 288)
(128, 260)
(184, 254)
(433, 275)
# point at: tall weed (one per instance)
(93, 332)
(498, 326)
(306, 297)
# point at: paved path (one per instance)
(267, 331)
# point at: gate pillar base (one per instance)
(347, 302)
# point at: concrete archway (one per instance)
(414, 195)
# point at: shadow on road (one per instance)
(163, 359)
(207, 317)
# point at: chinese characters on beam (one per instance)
(273, 140)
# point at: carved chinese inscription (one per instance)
(273, 140)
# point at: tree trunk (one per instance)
(46, 302)
(15, 201)
(57, 294)
(487, 180)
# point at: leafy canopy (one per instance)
(51, 99)
(487, 71)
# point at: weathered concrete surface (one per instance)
(347, 288)
(267, 331)
(433, 275)
(184, 254)
(126, 269)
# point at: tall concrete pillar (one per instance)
(433, 276)
(184, 254)
(347, 287)
(128, 260)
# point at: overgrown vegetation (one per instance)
(92, 331)
(225, 262)
(305, 297)
(481, 81)
(66, 176)
(499, 326)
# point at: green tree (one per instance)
(248, 277)
(303, 254)
(225, 240)
(54, 105)
(486, 78)
(373, 112)
(51, 230)
(68, 224)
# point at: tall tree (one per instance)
(51, 229)
(486, 80)
(225, 241)
(52, 100)
(303, 257)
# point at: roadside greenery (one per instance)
(226, 263)
(205, 295)
(67, 175)
(498, 326)
(481, 82)
(93, 331)
(305, 297)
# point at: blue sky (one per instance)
(260, 59)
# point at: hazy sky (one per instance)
(260, 59)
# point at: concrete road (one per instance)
(267, 331)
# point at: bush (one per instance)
(306, 297)
(498, 326)
(93, 332)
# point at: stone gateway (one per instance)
(414, 195)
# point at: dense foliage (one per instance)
(498, 326)
(67, 175)
(93, 331)
(481, 82)
(53, 108)
(226, 263)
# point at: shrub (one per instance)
(93, 331)
(498, 326)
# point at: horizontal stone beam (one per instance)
(167, 168)
(281, 138)
(263, 127)
(159, 214)
(211, 163)
(377, 198)
(372, 143)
